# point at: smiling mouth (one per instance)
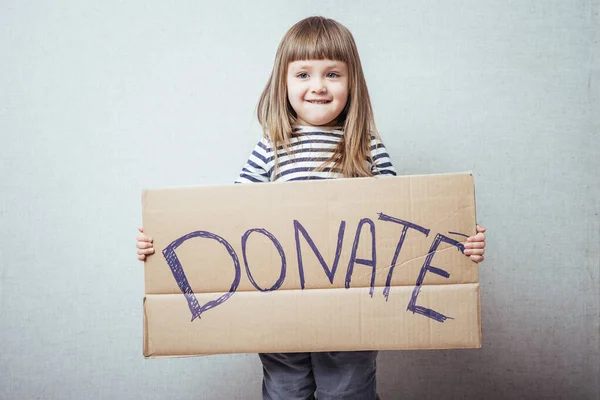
(319, 101)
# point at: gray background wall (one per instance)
(99, 100)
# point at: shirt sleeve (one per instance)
(257, 167)
(382, 163)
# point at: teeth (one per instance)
(318, 101)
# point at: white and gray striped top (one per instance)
(310, 147)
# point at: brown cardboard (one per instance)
(325, 315)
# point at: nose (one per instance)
(319, 87)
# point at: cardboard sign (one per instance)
(324, 265)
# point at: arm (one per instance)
(382, 163)
(258, 167)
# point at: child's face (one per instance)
(317, 90)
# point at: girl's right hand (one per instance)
(144, 245)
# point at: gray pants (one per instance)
(345, 375)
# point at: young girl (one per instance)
(315, 110)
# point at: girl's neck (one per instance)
(310, 128)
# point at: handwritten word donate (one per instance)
(197, 309)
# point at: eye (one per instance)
(302, 75)
(333, 75)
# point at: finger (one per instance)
(474, 252)
(145, 251)
(480, 237)
(140, 229)
(141, 257)
(143, 245)
(144, 238)
(477, 259)
(480, 228)
(475, 245)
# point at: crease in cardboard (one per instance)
(400, 265)
(306, 289)
(454, 214)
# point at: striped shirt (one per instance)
(309, 147)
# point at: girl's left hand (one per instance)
(475, 245)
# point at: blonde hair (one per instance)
(319, 38)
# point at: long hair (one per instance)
(319, 38)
